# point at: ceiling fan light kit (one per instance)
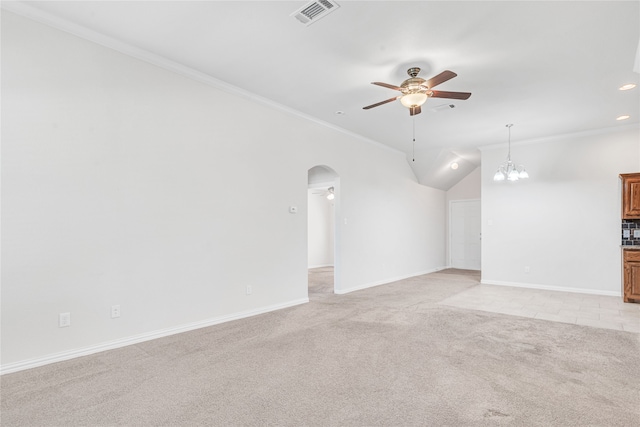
(414, 99)
(332, 194)
(416, 90)
(509, 170)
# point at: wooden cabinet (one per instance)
(630, 195)
(631, 275)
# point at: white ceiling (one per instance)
(550, 68)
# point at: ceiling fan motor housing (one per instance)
(413, 71)
(413, 84)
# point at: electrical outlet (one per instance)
(626, 233)
(249, 290)
(636, 234)
(64, 320)
(115, 311)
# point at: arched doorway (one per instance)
(323, 201)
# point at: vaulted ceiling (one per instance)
(550, 68)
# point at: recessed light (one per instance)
(627, 86)
(625, 117)
(454, 165)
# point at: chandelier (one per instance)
(508, 170)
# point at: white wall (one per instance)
(563, 222)
(320, 230)
(124, 183)
(468, 188)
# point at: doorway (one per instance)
(464, 234)
(322, 242)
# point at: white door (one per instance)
(464, 236)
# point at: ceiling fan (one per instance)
(329, 193)
(416, 90)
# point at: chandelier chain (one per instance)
(509, 152)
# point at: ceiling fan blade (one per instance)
(440, 78)
(380, 103)
(452, 95)
(386, 85)
(415, 110)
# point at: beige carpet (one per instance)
(386, 356)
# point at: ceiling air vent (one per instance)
(311, 12)
(442, 107)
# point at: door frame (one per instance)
(337, 229)
(450, 228)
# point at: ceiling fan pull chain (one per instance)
(414, 139)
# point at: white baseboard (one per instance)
(123, 342)
(386, 281)
(320, 266)
(553, 288)
(458, 268)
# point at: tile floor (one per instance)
(567, 307)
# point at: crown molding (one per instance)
(564, 136)
(38, 15)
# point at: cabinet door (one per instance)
(631, 281)
(630, 196)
